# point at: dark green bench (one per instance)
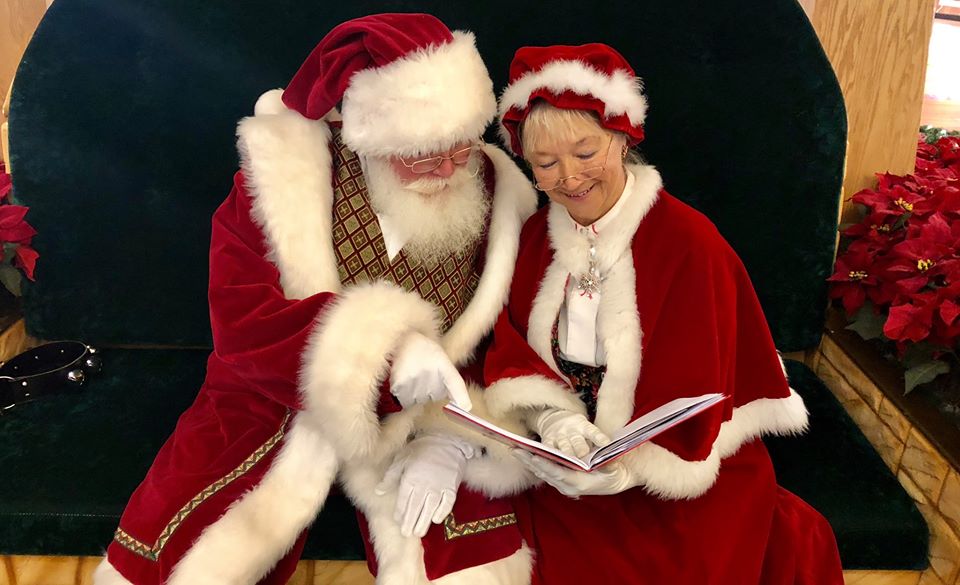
(121, 132)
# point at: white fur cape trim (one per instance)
(618, 323)
(669, 476)
(428, 101)
(657, 469)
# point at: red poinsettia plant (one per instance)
(15, 235)
(898, 273)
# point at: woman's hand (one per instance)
(612, 478)
(568, 431)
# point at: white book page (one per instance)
(630, 436)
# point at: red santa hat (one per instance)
(407, 84)
(592, 77)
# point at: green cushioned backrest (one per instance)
(123, 117)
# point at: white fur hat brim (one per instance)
(426, 102)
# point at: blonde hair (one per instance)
(547, 123)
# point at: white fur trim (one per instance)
(514, 200)
(105, 574)
(620, 92)
(572, 249)
(259, 528)
(513, 570)
(658, 470)
(286, 161)
(543, 313)
(619, 327)
(506, 397)
(669, 476)
(761, 417)
(400, 558)
(287, 164)
(496, 473)
(271, 102)
(346, 359)
(666, 475)
(425, 102)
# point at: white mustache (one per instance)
(428, 185)
(433, 184)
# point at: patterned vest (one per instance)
(361, 253)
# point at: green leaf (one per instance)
(917, 354)
(867, 324)
(923, 373)
(9, 251)
(11, 278)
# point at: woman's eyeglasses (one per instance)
(426, 165)
(587, 174)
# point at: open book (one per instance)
(633, 435)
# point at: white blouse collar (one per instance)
(608, 217)
(572, 246)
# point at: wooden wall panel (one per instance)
(878, 49)
(18, 20)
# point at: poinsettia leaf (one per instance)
(923, 373)
(866, 323)
(9, 251)
(11, 278)
(949, 311)
(917, 354)
(26, 260)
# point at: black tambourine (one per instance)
(58, 367)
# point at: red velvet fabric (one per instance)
(368, 42)
(250, 387)
(702, 331)
(604, 59)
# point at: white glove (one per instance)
(568, 431)
(422, 372)
(612, 478)
(428, 472)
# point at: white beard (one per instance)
(439, 216)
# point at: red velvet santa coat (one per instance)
(678, 317)
(293, 386)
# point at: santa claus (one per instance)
(355, 267)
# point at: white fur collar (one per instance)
(618, 322)
(287, 165)
(572, 247)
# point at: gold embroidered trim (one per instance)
(453, 530)
(132, 544)
(152, 552)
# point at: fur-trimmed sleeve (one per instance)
(518, 379)
(258, 333)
